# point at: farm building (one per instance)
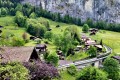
(90, 42)
(93, 31)
(99, 47)
(20, 54)
(41, 47)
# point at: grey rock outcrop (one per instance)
(107, 10)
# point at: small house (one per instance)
(99, 47)
(20, 54)
(93, 31)
(90, 43)
(41, 47)
(33, 38)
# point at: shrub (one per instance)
(17, 42)
(24, 36)
(46, 55)
(91, 73)
(53, 59)
(33, 15)
(57, 26)
(35, 28)
(92, 52)
(13, 71)
(72, 70)
(48, 35)
(3, 11)
(41, 71)
(111, 66)
(20, 19)
(85, 28)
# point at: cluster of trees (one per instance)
(103, 25)
(92, 73)
(68, 40)
(36, 28)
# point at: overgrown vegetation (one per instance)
(13, 71)
(91, 73)
(111, 66)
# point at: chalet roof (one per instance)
(98, 46)
(93, 29)
(20, 54)
(90, 42)
(116, 57)
(40, 45)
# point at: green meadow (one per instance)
(109, 38)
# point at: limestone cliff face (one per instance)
(108, 10)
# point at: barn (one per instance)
(19, 54)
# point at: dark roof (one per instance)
(93, 29)
(40, 45)
(116, 57)
(20, 54)
(90, 42)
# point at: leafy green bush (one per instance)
(33, 15)
(92, 52)
(34, 27)
(53, 59)
(13, 71)
(48, 35)
(72, 70)
(111, 66)
(3, 11)
(20, 19)
(85, 28)
(17, 42)
(91, 73)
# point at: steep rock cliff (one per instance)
(107, 10)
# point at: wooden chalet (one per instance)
(41, 47)
(84, 38)
(117, 58)
(19, 54)
(99, 47)
(90, 42)
(93, 31)
(32, 37)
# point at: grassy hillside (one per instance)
(109, 38)
(10, 27)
